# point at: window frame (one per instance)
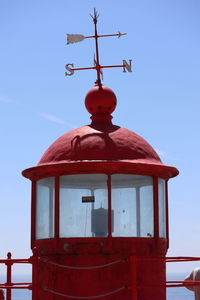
(109, 190)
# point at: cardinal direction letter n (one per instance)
(127, 66)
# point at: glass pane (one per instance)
(132, 205)
(45, 208)
(83, 205)
(146, 211)
(162, 208)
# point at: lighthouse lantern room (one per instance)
(99, 214)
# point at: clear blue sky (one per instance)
(160, 100)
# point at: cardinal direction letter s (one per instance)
(70, 70)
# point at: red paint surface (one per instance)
(94, 282)
(99, 142)
(100, 100)
(100, 147)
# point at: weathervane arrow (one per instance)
(74, 38)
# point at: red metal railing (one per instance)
(9, 285)
(33, 260)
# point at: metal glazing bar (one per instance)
(156, 209)
(138, 212)
(56, 212)
(33, 212)
(51, 211)
(167, 212)
(109, 207)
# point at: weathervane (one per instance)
(74, 38)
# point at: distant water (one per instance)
(20, 294)
(179, 293)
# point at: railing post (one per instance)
(2, 294)
(9, 276)
(34, 262)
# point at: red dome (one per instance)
(100, 147)
(99, 142)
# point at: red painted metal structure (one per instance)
(99, 212)
(34, 287)
(92, 267)
(9, 285)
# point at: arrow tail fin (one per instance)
(74, 38)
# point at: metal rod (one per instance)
(101, 67)
(15, 261)
(16, 287)
(9, 276)
(97, 50)
(116, 66)
(105, 35)
(78, 69)
(34, 261)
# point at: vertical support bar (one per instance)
(33, 212)
(2, 294)
(92, 194)
(138, 217)
(133, 264)
(167, 213)
(9, 276)
(156, 209)
(56, 217)
(51, 209)
(34, 262)
(109, 208)
(98, 69)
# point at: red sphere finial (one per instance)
(100, 102)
